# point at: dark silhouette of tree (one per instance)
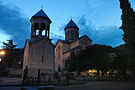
(128, 26)
(121, 61)
(3, 68)
(94, 57)
(11, 57)
(9, 44)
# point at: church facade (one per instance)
(71, 45)
(39, 52)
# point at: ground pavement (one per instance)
(102, 85)
(90, 85)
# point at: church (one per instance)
(39, 51)
(71, 45)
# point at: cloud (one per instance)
(14, 24)
(108, 35)
(17, 27)
(85, 26)
(5, 37)
(55, 37)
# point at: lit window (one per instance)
(37, 32)
(43, 32)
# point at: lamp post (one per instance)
(0, 59)
(2, 53)
(2, 67)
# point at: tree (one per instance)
(94, 57)
(121, 61)
(3, 67)
(128, 27)
(11, 56)
(9, 44)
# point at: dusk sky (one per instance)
(99, 19)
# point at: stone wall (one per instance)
(84, 42)
(74, 44)
(58, 58)
(41, 56)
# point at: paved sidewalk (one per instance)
(28, 88)
(14, 84)
(10, 81)
(100, 86)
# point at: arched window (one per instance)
(36, 28)
(75, 34)
(37, 32)
(43, 28)
(59, 56)
(43, 32)
(59, 53)
(72, 34)
(68, 34)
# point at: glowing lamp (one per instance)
(2, 52)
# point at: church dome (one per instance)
(71, 24)
(42, 14)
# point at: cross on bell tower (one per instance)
(40, 25)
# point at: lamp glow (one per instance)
(2, 52)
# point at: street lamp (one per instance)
(2, 52)
(19, 62)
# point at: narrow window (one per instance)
(42, 58)
(59, 68)
(37, 32)
(59, 56)
(72, 34)
(43, 32)
(68, 34)
(36, 28)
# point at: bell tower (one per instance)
(40, 25)
(71, 31)
(39, 51)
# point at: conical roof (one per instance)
(71, 24)
(41, 13)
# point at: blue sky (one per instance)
(99, 19)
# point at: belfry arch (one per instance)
(36, 29)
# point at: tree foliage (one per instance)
(128, 27)
(94, 57)
(10, 57)
(9, 44)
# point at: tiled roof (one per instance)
(71, 24)
(41, 13)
